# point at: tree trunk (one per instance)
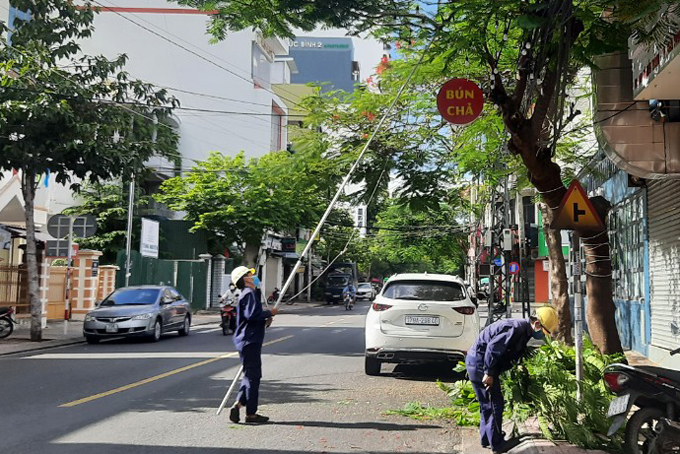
(28, 191)
(600, 314)
(558, 278)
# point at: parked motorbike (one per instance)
(274, 297)
(654, 428)
(228, 316)
(7, 321)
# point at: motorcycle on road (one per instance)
(6, 321)
(348, 299)
(227, 315)
(654, 428)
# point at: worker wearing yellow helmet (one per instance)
(496, 349)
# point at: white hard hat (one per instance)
(238, 273)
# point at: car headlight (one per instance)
(142, 316)
(89, 318)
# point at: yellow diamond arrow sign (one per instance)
(576, 212)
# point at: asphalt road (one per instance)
(133, 397)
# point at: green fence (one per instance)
(190, 279)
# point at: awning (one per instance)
(286, 255)
(21, 233)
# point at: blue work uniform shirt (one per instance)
(250, 320)
(497, 347)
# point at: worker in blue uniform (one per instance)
(251, 321)
(495, 351)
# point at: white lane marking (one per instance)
(130, 355)
(204, 327)
(214, 330)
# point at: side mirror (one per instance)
(167, 300)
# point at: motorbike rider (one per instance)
(497, 347)
(349, 290)
(248, 339)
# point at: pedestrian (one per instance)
(248, 339)
(497, 347)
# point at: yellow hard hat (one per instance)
(548, 318)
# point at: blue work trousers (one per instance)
(491, 406)
(248, 394)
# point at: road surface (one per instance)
(134, 397)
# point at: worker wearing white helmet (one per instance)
(251, 321)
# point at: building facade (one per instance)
(328, 62)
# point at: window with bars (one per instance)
(626, 237)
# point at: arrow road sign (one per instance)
(576, 212)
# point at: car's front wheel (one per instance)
(372, 366)
(157, 332)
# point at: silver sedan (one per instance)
(144, 311)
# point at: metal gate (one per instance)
(663, 205)
(189, 277)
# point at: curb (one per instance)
(66, 342)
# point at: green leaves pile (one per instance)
(545, 386)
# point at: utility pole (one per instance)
(310, 274)
(500, 241)
(578, 310)
(128, 244)
(69, 265)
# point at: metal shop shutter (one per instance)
(663, 209)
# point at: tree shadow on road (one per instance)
(113, 448)
(371, 425)
(195, 401)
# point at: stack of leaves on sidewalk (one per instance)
(543, 386)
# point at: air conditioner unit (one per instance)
(534, 254)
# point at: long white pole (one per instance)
(230, 390)
(128, 245)
(341, 188)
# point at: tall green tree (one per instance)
(76, 116)
(531, 52)
(238, 199)
(429, 240)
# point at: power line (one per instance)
(186, 49)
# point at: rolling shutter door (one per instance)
(663, 209)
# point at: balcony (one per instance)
(656, 70)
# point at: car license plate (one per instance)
(420, 320)
(618, 406)
(111, 328)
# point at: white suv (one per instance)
(420, 318)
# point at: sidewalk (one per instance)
(59, 334)
(533, 443)
(530, 442)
